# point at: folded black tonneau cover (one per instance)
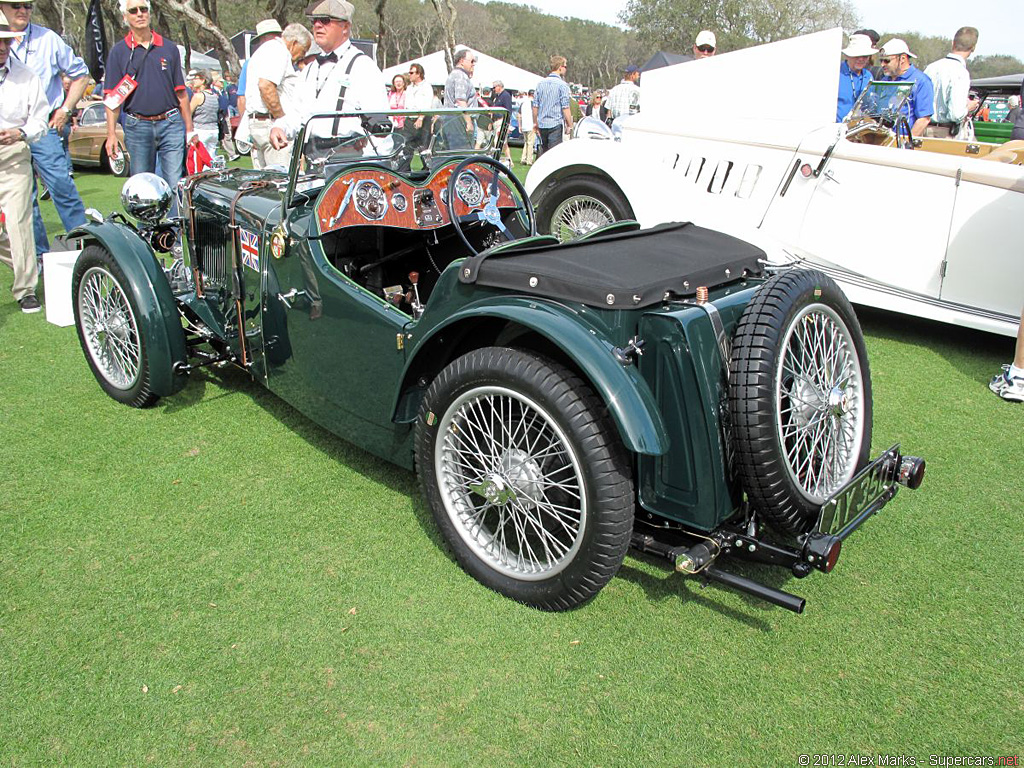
(621, 271)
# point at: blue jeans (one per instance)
(549, 138)
(157, 143)
(50, 160)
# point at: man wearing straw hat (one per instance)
(24, 112)
(854, 74)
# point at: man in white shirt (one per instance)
(24, 115)
(526, 128)
(419, 96)
(272, 86)
(952, 84)
(341, 79)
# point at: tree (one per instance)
(447, 15)
(673, 24)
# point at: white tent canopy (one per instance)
(199, 60)
(488, 69)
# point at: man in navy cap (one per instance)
(624, 98)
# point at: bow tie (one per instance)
(325, 58)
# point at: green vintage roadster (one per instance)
(560, 403)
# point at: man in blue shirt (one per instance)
(854, 74)
(896, 64)
(44, 52)
(158, 121)
(551, 106)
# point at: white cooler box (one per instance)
(57, 269)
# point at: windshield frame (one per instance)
(294, 176)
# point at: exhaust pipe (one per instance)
(772, 595)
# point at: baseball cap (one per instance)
(706, 37)
(629, 70)
(895, 47)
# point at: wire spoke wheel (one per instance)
(577, 215)
(820, 399)
(109, 328)
(512, 483)
(527, 478)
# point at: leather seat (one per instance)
(1012, 152)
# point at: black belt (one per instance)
(942, 125)
(262, 116)
(155, 118)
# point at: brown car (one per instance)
(88, 137)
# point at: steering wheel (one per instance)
(490, 213)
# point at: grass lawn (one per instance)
(217, 580)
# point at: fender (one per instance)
(621, 166)
(621, 388)
(159, 321)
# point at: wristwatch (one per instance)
(66, 110)
(23, 135)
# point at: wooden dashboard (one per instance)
(374, 196)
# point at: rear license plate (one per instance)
(868, 492)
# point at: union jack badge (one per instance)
(250, 243)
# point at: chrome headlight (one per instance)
(146, 196)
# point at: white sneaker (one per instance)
(1007, 387)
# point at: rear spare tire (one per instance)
(799, 396)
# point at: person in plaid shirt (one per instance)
(624, 98)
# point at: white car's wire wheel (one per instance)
(800, 397)
(578, 205)
(108, 328)
(529, 485)
(242, 147)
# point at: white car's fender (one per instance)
(614, 163)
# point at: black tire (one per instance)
(242, 147)
(587, 540)
(578, 204)
(801, 423)
(107, 319)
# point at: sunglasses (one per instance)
(21, 6)
(324, 20)
(887, 59)
(706, 48)
(137, 10)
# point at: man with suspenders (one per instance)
(341, 78)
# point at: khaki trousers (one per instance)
(528, 139)
(18, 243)
(262, 152)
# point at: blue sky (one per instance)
(1000, 22)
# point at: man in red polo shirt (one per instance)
(144, 79)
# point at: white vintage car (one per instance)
(746, 143)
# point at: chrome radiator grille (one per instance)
(211, 250)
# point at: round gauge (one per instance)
(469, 189)
(398, 202)
(371, 201)
(444, 195)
